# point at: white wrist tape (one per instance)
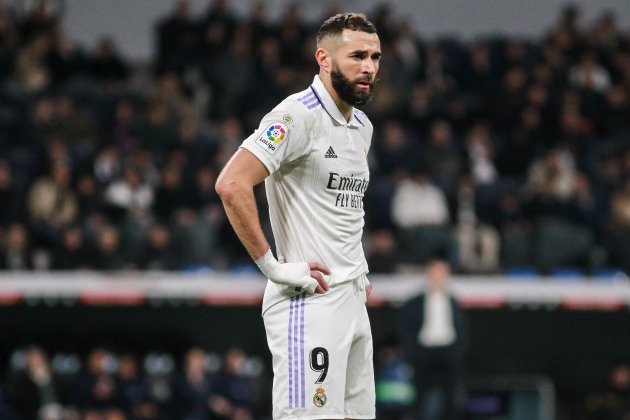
(290, 274)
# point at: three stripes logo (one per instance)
(296, 368)
(330, 153)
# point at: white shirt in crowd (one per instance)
(437, 328)
(415, 205)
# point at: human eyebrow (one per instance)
(358, 53)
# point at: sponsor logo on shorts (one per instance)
(320, 398)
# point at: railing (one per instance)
(159, 288)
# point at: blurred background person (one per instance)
(612, 403)
(35, 393)
(193, 388)
(433, 330)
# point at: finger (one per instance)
(368, 290)
(320, 279)
(319, 267)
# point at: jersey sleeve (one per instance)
(281, 137)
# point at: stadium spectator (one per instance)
(105, 64)
(159, 252)
(477, 241)
(124, 128)
(382, 256)
(73, 252)
(423, 229)
(15, 253)
(590, 75)
(107, 254)
(614, 402)
(31, 73)
(130, 197)
(193, 389)
(134, 390)
(620, 236)
(97, 392)
(170, 195)
(36, 392)
(442, 157)
(235, 393)
(178, 38)
(433, 330)
(52, 203)
(11, 202)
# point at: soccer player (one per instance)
(311, 151)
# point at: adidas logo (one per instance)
(330, 153)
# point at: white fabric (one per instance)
(437, 328)
(121, 194)
(297, 327)
(289, 274)
(319, 174)
(415, 205)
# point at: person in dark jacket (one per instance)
(433, 334)
(34, 393)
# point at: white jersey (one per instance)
(318, 176)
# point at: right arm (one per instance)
(235, 186)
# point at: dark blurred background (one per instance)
(506, 149)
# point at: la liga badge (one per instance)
(272, 136)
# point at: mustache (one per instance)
(370, 81)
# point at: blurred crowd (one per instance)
(509, 153)
(119, 386)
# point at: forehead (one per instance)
(358, 40)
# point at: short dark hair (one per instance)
(352, 21)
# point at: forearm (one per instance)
(241, 210)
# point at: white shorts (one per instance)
(322, 355)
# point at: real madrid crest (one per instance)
(320, 398)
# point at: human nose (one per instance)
(368, 66)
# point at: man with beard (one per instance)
(311, 151)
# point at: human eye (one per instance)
(358, 55)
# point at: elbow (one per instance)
(222, 187)
(227, 189)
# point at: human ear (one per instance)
(323, 59)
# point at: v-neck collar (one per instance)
(330, 106)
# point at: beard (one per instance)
(348, 90)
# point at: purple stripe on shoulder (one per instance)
(309, 100)
(302, 348)
(308, 95)
(311, 106)
(289, 341)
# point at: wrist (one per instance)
(268, 264)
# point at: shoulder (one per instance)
(295, 112)
(414, 302)
(302, 105)
(362, 117)
(365, 125)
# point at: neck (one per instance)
(344, 107)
